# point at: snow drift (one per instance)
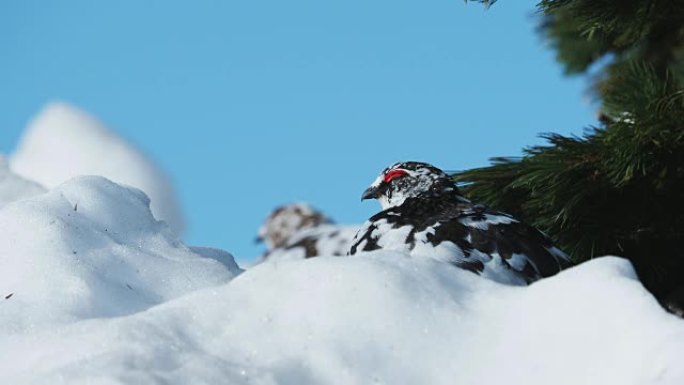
(91, 248)
(62, 142)
(95, 290)
(378, 318)
(14, 187)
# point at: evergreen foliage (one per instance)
(619, 188)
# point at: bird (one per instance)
(424, 215)
(299, 231)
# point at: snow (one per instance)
(95, 290)
(62, 142)
(89, 249)
(378, 317)
(13, 187)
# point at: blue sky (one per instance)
(251, 104)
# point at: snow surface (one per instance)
(375, 318)
(62, 142)
(95, 290)
(13, 187)
(89, 249)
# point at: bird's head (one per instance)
(408, 180)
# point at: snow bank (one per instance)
(63, 142)
(14, 187)
(377, 318)
(93, 289)
(89, 249)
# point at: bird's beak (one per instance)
(371, 192)
(258, 240)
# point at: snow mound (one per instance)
(376, 318)
(13, 187)
(63, 142)
(91, 248)
(219, 255)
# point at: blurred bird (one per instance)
(298, 231)
(425, 216)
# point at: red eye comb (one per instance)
(394, 174)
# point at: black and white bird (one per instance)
(298, 231)
(425, 216)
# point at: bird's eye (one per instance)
(394, 174)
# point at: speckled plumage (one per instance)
(426, 217)
(298, 231)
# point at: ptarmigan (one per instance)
(298, 231)
(425, 216)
